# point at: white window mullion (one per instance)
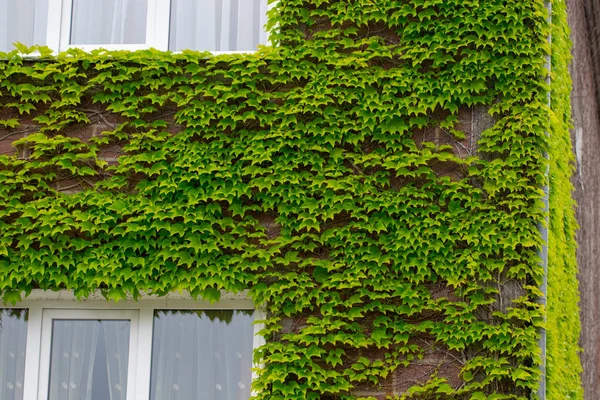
(65, 24)
(133, 365)
(32, 353)
(144, 354)
(44, 357)
(157, 26)
(54, 24)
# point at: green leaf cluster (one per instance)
(563, 325)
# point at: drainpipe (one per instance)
(543, 227)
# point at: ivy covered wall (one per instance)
(374, 180)
(563, 324)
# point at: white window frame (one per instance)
(59, 27)
(158, 22)
(49, 315)
(44, 307)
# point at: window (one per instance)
(214, 25)
(53, 347)
(23, 21)
(13, 337)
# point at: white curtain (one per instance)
(218, 25)
(13, 337)
(196, 358)
(109, 22)
(87, 358)
(117, 351)
(22, 21)
(72, 360)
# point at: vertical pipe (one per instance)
(543, 227)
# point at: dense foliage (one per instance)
(563, 325)
(333, 176)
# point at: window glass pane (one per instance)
(204, 355)
(13, 337)
(109, 22)
(217, 25)
(89, 359)
(22, 21)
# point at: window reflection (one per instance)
(204, 355)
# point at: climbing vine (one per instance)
(373, 180)
(563, 326)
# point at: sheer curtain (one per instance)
(117, 351)
(72, 359)
(22, 21)
(219, 25)
(13, 337)
(194, 357)
(87, 360)
(109, 22)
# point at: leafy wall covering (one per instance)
(563, 323)
(374, 180)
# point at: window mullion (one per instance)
(54, 24)
(43, 377)
(157, 27)
(144, 354)
(65, 24)
(32, 353)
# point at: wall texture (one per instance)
(586, 141)
(592, 28)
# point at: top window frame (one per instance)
(158, 20)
